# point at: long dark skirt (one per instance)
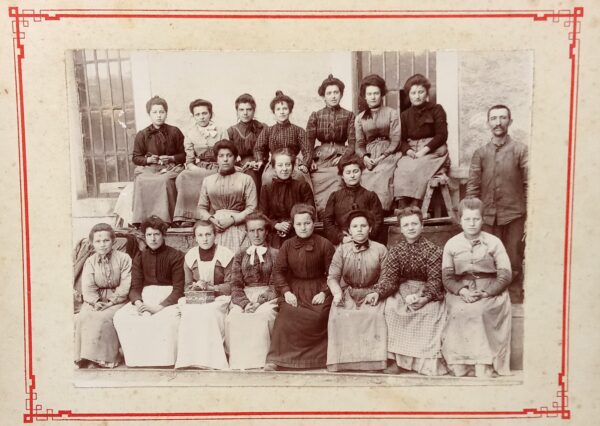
(154, 192)
(300, 334)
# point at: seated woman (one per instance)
(147, 327)
(200, 160)
(357, 330)
(411, 283)
(105, 283)
(227, 198)
(283, 135)
(254, 303)
(476, 272)
(333, 126)
(377, 140)
(423, 143)
(278, 197)
(202, 326)
(244, 135)
(158, 154)
(300, 275)
(352, 196)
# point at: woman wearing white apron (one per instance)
(202, 327)
(254, 304)
(147, 327)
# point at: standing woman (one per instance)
(227, 197)
(352, 196)
(300, 276)
(424, 149)
(357, 331)
(200, 160)
(278, 197)
(333, 126)
(202, 327)
(283, 134)
(244, 135)
(411, 284)
(158, 154)
(253, 299)
(105, 283)
(147, 327)
(476, 273)
(377, 140)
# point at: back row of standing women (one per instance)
(357, 307)
(399, 152)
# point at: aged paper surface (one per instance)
(49, 184)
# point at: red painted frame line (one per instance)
(35, 413)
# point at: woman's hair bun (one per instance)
(279, 93)
(330, 77)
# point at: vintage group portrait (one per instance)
(361, 219)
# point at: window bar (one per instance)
(89, 118)
(112, 120)
(124, 117)
(101, 118)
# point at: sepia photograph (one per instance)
(327, 217)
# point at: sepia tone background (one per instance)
(50, 183)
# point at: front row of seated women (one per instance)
(304, 305)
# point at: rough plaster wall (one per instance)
(488, 78)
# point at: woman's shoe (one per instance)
(269, 366)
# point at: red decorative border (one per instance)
(21, 19)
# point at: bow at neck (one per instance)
(360, 246)
(307, 243)
(258, 251)
(253, 126)
(162, 130)
(210, 130)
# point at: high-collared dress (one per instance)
(248, 334)
(157, 278)
(300, 333)
(357, 333)
(201, 333)
(422, 126)
(477, 333)
(333, 128)
(414, 337)
(104, 279)
(342, 202)
(224, 196)
(245, 136)
(154, 190)
(277, 200)
(284, 135)
(198, 143)
(379, 135)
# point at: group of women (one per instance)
(305, 305)
(285, 297)
(397, 154)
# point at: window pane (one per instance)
(120, 130)
(107, 129)
(93, 88)
(97, 133)
(111, 168)
(86, 135)
(115, 83)
(123, 167)
(90, 177)
(104, 83)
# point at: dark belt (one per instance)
(476, 275)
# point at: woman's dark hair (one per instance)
(280, 97)
(259, 216)
(156, 100)
(225, 144)
(201, 102)
(204, 223)
(245, 99)
(331, 81)
(372, 80)
(99, 227)
(154, 222)
(359, 213)
(284, 151)
(417, 80)
(353, 159)
(302, 208)
(410, 211)
(470, 204)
